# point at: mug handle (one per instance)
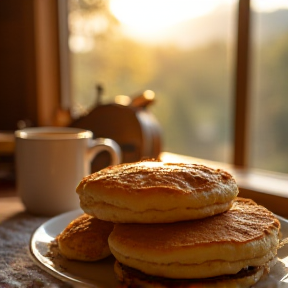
(105, 144)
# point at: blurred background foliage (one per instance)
(193, 86)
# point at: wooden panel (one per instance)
(17, 68)
(29, 69)
(47, 60)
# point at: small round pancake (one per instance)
(85, 239)
(246, 235)
(156, 192)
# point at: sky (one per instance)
(142, 23)
(139, 20)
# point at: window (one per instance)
(183, 52)
(190, 65)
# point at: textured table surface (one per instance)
(17, 269)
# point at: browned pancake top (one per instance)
(84, 228)
(184, 178)
(245, 221)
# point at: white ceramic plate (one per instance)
(101, 273)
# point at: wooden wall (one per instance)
(29, 62)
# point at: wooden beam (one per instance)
(241, 128)
(47, 60)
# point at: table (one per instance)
(16, 227)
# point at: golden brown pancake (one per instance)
(246, 235)
(85, 239)
(245, 278)
(156, 192)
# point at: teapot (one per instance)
(129, 122)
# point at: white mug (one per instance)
(50, 163)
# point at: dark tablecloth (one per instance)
(17, 268)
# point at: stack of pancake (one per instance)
(179, 224)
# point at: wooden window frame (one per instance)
(44, 68)
(241, 85)
(241, 92)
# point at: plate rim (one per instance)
(65, 278)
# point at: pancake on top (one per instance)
(156, 192)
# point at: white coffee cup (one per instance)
(50, 163)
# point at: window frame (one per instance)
(242, 76)
(241, 83)
(241, 108)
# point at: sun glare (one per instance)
(151, 19)
(153, 16)
(154, 20)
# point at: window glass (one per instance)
(269, 85)
(182, 50)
